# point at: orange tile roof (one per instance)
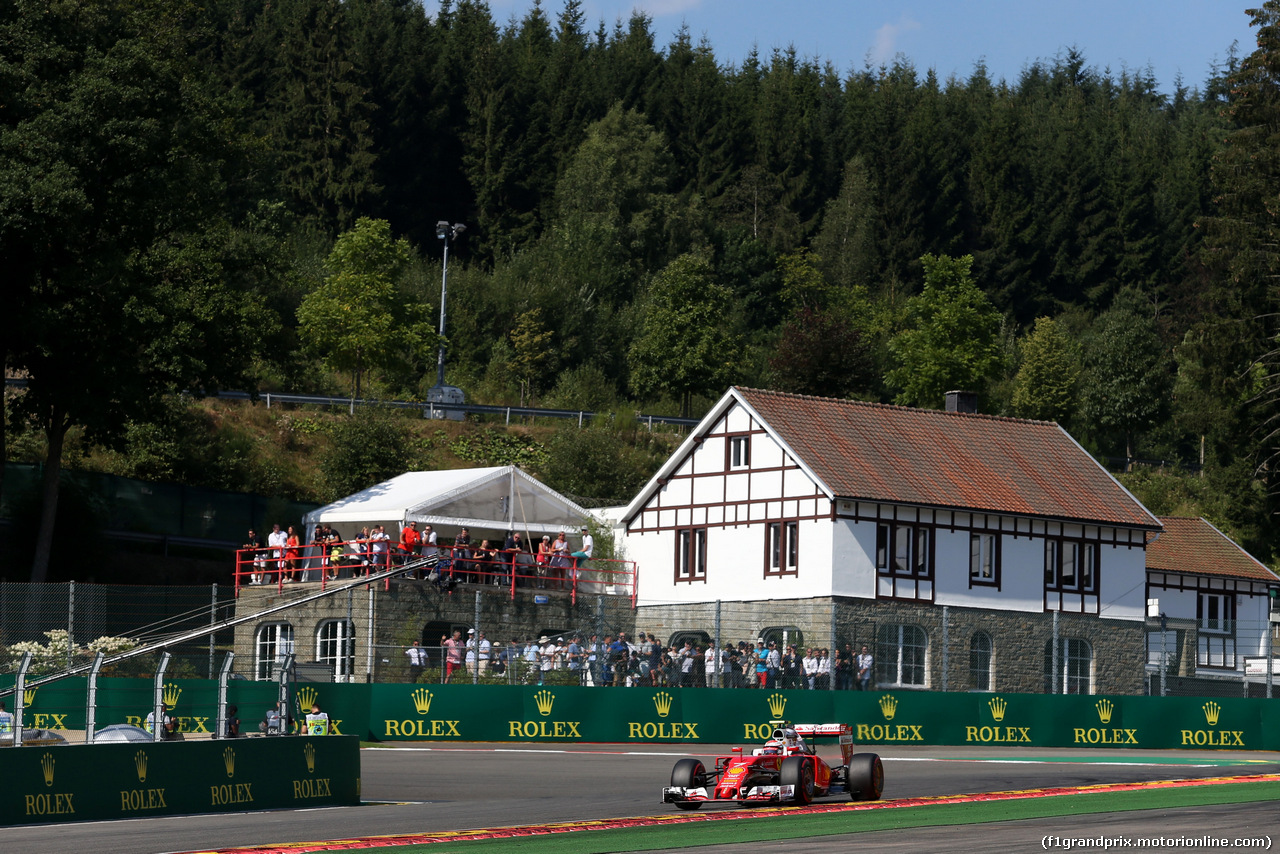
(1195, 546)
(877, 452)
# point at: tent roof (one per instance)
(498, 498)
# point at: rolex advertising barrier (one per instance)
(107, 781)
(499, 713)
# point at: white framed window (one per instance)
(1070, 671)
(691, 554)
(739, 452)
(1071, 566)
(984, 559)
(905, 550)
(275, 641)
(335, 644)
(1216, 617)
(782, 548)
(980, 648)
(901, 656)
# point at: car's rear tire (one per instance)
(797, 771)
(689, 774)
(864, 778)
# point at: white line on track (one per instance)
(692, 753)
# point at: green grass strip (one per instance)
(695, 834)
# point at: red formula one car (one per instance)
(785, 770)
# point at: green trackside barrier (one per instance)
(192, 703)
(110, 781)
(495, 713)
(500, 713)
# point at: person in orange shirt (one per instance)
(293, 553)
(410, 539)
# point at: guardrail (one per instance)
(507, 570)
(429, 409)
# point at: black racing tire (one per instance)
(864, 777)
(689, 774)
(798, 771)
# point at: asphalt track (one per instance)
(431, 788)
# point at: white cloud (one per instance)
(885, 47)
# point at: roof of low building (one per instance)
(926, 457)
(1193, 545)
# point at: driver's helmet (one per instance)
(790, 738)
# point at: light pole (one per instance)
(447, 233)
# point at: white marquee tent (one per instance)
(488, 501)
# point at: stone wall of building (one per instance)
(1018, 638)
(410, 608)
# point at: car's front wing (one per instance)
(767, 794)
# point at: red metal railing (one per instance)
(512, 571)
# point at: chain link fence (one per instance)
(799, 645)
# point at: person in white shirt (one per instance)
(822, 680)
(865, 663)
(277, 540)
(317, 721)
(810, 667)
(379, 545)
(417, 660)
(546, 657)
(429, 542)
(709, 659)
(485, 649)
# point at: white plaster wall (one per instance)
(853, 550)
(1122, 594)
(1251, 625)
(735, 566)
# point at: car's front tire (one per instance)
(798, 771)
(689, 774)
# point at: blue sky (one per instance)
(1170, 36)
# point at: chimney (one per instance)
(962, 401)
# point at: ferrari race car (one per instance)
(785, 770)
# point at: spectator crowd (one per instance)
(621, 661)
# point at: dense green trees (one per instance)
(115, 156)
(644, 219)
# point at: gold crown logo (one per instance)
(46, 765)
(171, 694)
(1105, 708)
(229, 761)
(777, 705)
(310, 752)
(888, 706)
(544, 699)
(662, 702)
(140, 763)
(306, 696)
(29, 697)
(422, 700)
(998, 707)
(1211, 712)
